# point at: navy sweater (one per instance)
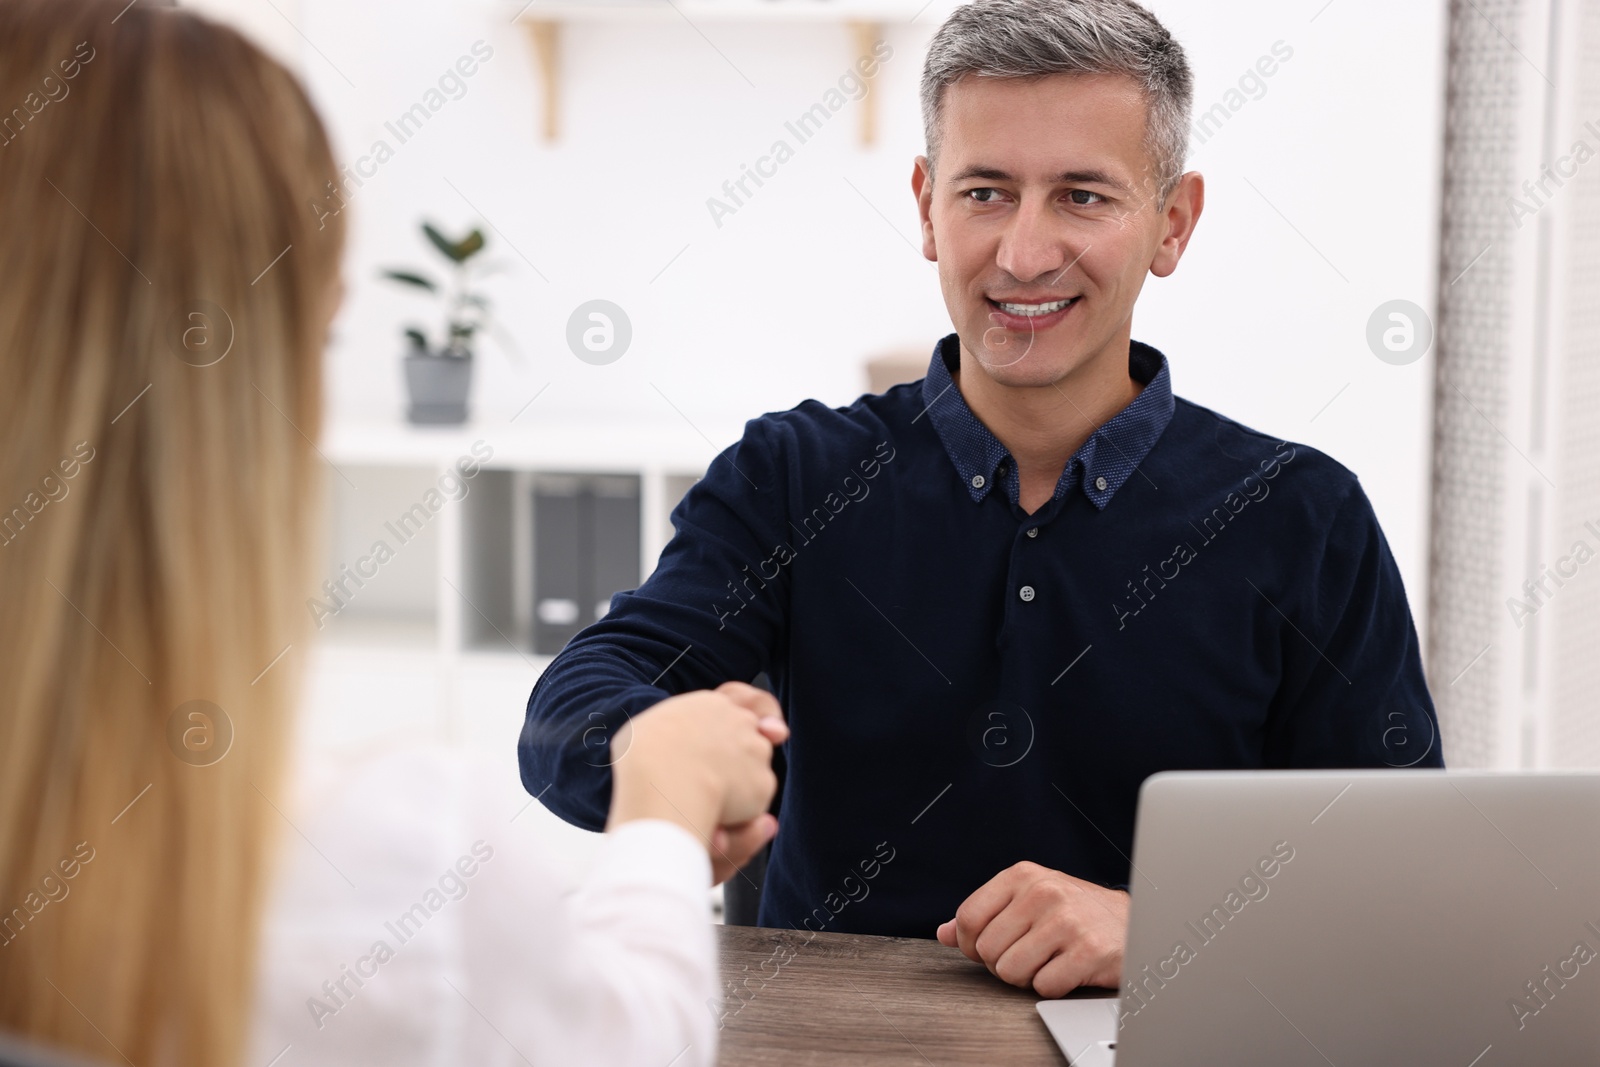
(970, 686)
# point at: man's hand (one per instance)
(769, 713)
(1032, 926)
(734, 846)
(703, 760)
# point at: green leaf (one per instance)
(417, 337)
(441, 242)
(469, 246)
(411, 279)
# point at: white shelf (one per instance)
(864, 19)
(357, 631)
(452, 603)
(539, 442)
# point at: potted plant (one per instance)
(439, 379)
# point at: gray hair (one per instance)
(1033, 38)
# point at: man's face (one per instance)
(1044, 193)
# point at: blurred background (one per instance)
(1391, 267)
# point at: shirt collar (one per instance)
(1113, 452)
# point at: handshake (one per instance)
(703, 760)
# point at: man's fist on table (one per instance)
(1034, 927)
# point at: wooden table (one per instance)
(794, 997)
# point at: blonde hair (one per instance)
(166, 295)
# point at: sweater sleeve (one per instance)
(1353, 692)
(711, 612)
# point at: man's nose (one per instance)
(1033, 245)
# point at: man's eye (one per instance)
(1084, 192)
(983, 196)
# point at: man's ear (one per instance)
(1180, 218)
(922, 189)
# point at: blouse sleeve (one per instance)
(617, 970)
(628, 975)
(437, 921)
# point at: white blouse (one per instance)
(419, 920)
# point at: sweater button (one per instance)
(977, 481)
(1026, 592)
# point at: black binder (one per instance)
(586, 544)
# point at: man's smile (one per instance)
(1031, 315)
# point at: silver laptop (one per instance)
(1371, 917)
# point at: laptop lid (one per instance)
(1290, 918)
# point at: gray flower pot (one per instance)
(438, 386)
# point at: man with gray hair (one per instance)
(994, 601)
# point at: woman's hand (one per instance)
(704, 761)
